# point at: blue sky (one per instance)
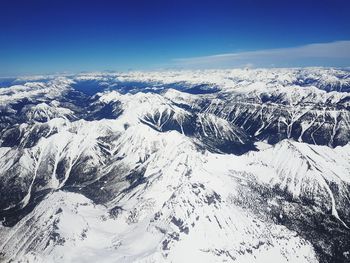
(41, 36)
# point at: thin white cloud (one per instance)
(320, 54)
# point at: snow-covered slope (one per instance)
(209, 166)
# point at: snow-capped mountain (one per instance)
(176, 166)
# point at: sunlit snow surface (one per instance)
(244, 165)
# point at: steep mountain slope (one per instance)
(210, 166)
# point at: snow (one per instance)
(173, 172)
(32, 90)
(191, 204)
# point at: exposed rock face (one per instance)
(211, 166)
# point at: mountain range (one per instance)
(240, 165)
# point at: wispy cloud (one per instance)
(319, 54)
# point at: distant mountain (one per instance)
(176, 166)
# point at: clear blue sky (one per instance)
(42, 36)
